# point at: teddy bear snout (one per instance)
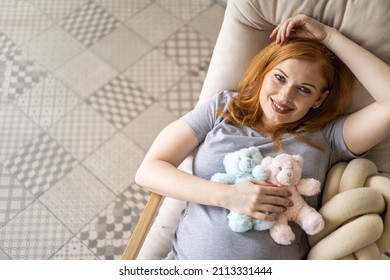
(246, 165)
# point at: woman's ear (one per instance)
(320, 99)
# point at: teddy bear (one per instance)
(285, 171)
(241, 165)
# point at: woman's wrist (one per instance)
(329, 35)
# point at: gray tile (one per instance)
(123, 9)
(187, 47)
(183, 97)
(40, 164)
(47, 102)
(16, 130)
(21, 21)
(3, 255)
(7, 46)
(155, 73)
(116, 162)
(17, 75)
(77, 198)
(74, 250)
(186, 10)
(53, 47)
(209, 22)
(13, 196)
(85, 73)
(121, 48)
(34, 234)
(82, 131)
(119, 101)
(58, 9)
(154, 24)
(144, 129)
(89, 23)
(136, 197)
(107, 235)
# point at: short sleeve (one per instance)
(204, 117)
(334, 135)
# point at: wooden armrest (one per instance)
(145, 221)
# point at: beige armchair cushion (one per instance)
(245, 30)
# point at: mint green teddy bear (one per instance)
(243, 165)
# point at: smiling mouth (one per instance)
(280, 108)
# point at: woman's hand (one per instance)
(301, 26)
(259, 200)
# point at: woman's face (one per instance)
(289, 91)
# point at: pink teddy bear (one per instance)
(285, 171)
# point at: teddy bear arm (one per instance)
(308, 187)
(260, 172)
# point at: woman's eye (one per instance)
(304, 90)
(280, 78)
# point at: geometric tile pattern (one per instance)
(77, 198)
(183, 97)
(17, 75)
(74, 250)
(16, 130)
(20, 20)
(82, 131)
(89, 23)
(13, 196)
(123, 9)
(146, 127)
(7, 46)
(209, 22)
(47, 102)
(85, 86)
(116, 162)
(187, 47)
(107, 235)
(121, 48)
(34, 234)
(85, 73)
(186, 10)
(53, 47)
(154, 23)
(3, 255)
(155, 73)
(40, 164)
(119, 101)
(57, 9)
(136, 197)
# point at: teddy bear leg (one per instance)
(282, 233)
(261, 225)
(239, 222)
(310, 220)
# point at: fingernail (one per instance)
(289, 193)
(290, 203)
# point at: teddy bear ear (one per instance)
(298, 159)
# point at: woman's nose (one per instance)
(286, 94)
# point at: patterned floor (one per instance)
(84, 88)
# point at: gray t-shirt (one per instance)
(203, 232)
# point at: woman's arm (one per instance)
(158, 172)
(368, 126)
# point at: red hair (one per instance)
(245, 108)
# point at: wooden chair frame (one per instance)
(140, 232)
